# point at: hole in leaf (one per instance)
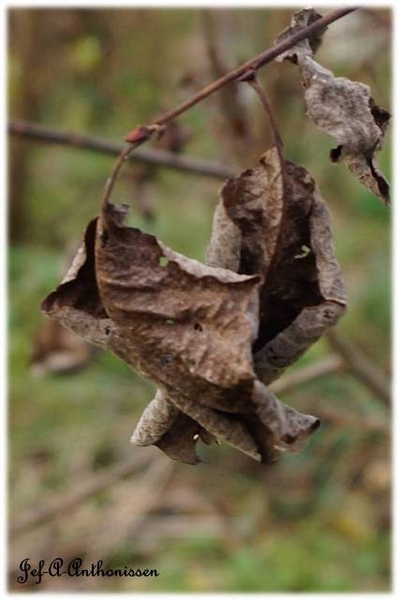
(198, 327)
(168, 359)
(163, 261)
(169, 322)
(288, 439)
(104, 237)
(335, 154)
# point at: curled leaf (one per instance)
(155, 421)
(185, 322)
(288, 428)
(286, 240)
(178, 322)
(207, 334)
(345, 110)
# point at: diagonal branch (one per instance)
(254, 64)
(361, 367)
(69, 501)
(327, 366)
(143, 133)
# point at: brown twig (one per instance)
(360, 366)
(324, 367)
(251, 79)
(254, 64)
(210, 38)
(159, 158)
(143, 133)
(349, 359)
(124, 155)
(130, 515)
(68, 502)
(368, 423)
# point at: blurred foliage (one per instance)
(319, 521)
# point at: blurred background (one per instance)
(318, 521)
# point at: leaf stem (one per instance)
(278, 142)
(124, 155)
(251, 79)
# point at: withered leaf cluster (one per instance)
(342, 108)
(212, 337)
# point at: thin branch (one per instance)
(68, 502)
(122, 526)
(350, 359)
(360, 366)
(143, 133)
(368, 423)
(327, 366)
(254, 64)
(159, 158)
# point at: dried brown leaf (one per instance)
(185, 322)
(179, 441)
(308, 46)
(289, 245)
(262, 431)
(245, 237)
(345, 110)
(163, 425)
(155, 421)
(76, 302)
(243, 228)
(188, 327)
(191, 328)
(181, 339)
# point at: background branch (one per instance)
(92, 486)
(326, 366)
(233, 113)
(159, 158)
(360, 366)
